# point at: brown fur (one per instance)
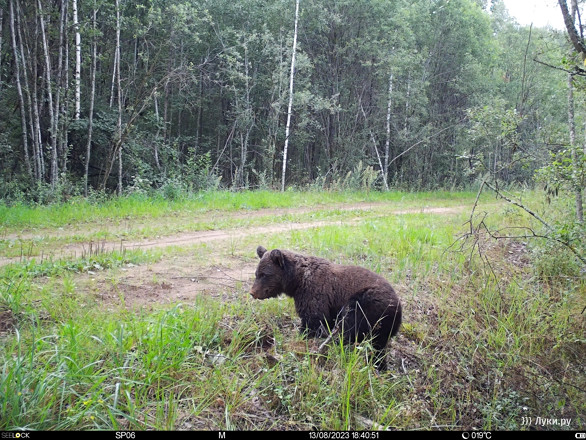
(327, 295)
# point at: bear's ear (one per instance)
(278, 258)
(260, 251)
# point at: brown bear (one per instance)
(355, 301)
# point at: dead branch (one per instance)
(497, 234)
(517, 204)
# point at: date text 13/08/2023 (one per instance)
(344, 435)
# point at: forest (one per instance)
(118, 96)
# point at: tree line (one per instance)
(119, 95)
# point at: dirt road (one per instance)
(178, 276)
(196, 237)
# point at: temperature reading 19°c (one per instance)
(477, 435)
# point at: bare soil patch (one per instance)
(7, 322)
(171, 281)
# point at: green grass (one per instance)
(486, 340)
(117, 210)
(28, 232)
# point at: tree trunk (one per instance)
(32, 100)
(77, 61)
(248, 124)
(374, 146)
(23, 119)
(119, 123)
(39, 158)
(52, 116)
(92, 99)
(199, 117)
(579, 46)
(388, 140)
(290, 108)
(113, 83)
(573, 33)
(156, 143)
(62, 89)
(1, 22)
(116, 143)
(572, 126)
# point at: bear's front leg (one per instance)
(312, 327)
(315, 327)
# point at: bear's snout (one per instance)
(255, 291)
(261, 291)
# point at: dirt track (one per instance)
(197, 237)
(179, 277)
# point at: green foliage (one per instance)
(205, 87)
(567, 170)
(494, 143)
(198, 174)
(555, 263)
(358, 179)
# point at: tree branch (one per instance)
(577, 42)
(519, 205)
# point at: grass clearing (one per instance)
(120, 209)
(485, 341)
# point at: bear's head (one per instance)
(270, 274)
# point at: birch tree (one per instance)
(290, 107)
(17, 63)
(77, 61)
(388, 130)
(119, 89)
(92, 99)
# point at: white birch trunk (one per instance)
(119, 124)
(113, 78)
(249, 121)
(388, 140)
(290, 108)
(77, 61)
(373, 139)
(23, 119)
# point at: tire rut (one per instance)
(198, 237)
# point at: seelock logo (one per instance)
(16, 435)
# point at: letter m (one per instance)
(222, 435)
